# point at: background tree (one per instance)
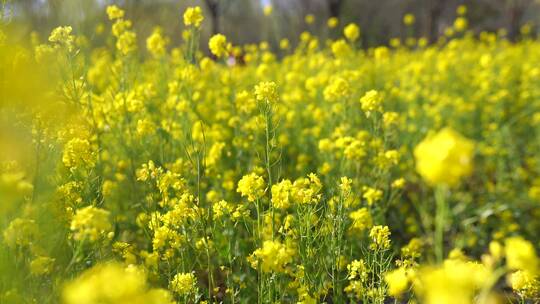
(243, 20)
(213, 8)
(515, 12)
(434, 11)
(334, 7)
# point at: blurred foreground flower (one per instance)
(444, 158)
(112, 283)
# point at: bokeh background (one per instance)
(244, 21)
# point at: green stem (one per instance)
(268, 152)
(440, 218)
(268, 161)
(336, 250)
(260, 282)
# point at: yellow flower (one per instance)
(340, 48)
(398, 183)
(127, 42)
(284, 44)
(156, 43)
(112, 283)
(460, 24)
(114, 12)
(525, 284)
(90, 223)
(338, 88)
(218, 45)
(332, 22)
(78, 153)
(461, 10)
(272, 257)
(220, 209)
(267, 10)
(281, 194)
(214, 154)
(520, 255)
(351, 32)
(390, 118)
(120, 26)
(444, 158)
(355, 150)
(397, 281)
(372, 195)
(306, 190)
(496, 250)
(357, 270)
(456, 281)
(380, 237)
(309, 19)
(266, 91)
(409, 19)
(20, 232)
(361, 219)
(183, 283)
(62, 36)
(413, 249)
(145, 127)
(345, 185)
(251, 186)
(193, 16)
(371, 102)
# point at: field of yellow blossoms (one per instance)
(139, 171)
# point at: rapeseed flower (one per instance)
(62, 36)
(444, 158)
(193, 16)
(521, 255)
(351, 32)
(266, 92)
(183, 283)
(409, 19)
(251, 186)
(371, 102)
(398, 281)
(332, 22)
(114, 12)
(156, 43)
(20, 232)
(112, 283)
(272, 257)
(361, 219)
(380, 236)
(219, 46)
(90, 223)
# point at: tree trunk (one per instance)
(435, 8)
(515, 14)
(213, 7)
(334, 7)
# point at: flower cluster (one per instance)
(90, 223)
(183, 283)
(193, 16)
(272, 257)
(218, 45)
(251, 186)
(266, 91)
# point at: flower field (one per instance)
(138, 171)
